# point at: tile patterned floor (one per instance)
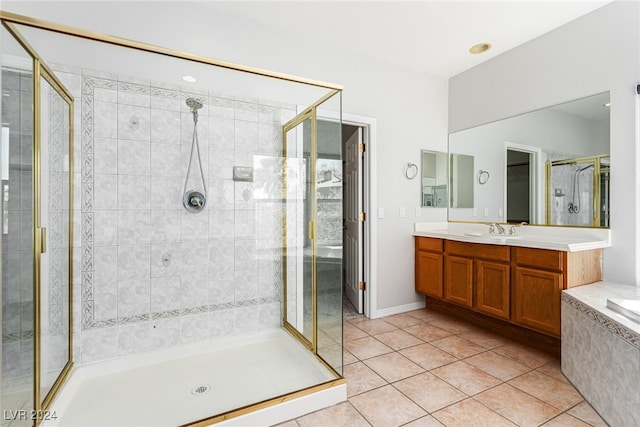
(422, 369)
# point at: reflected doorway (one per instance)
(523, 185)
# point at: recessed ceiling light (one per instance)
(479, 48)
(608, 104)
(189, 79)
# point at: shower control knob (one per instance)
(194, 201)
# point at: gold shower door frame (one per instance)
(41, 72)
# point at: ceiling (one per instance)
(431, 37)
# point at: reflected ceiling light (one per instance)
(479, 48)
(189, 79)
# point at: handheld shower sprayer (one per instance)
(194, 201)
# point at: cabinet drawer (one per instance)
(540, 258)
(476, 250)
(429, 244)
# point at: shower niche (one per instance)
(187, 236)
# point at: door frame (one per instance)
(369, 203)
(536, 187)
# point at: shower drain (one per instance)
(200, 390)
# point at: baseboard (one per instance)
(398, 309)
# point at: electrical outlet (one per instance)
(486, 211)
(403, 212)
(418, 211)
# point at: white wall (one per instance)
(596, 53)
(410, 108)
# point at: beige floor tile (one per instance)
(427, 421)
(373, 326)
(427, 315)
(459, 347)
(517, 406)
(429, 391)
(453, 325)
(386, 406)
(340, 415)
(352, 332)
(498, 366)
(393, 366)
(565, 420)
(466, 378)
(553, 370)
(558, 394)
(365, 348)
(427, 332)
(469, 413)
(361, 378)
(428, 356)
(524, 354)
(485, 338)
(586, 413)
(402, 320)
(348, 357)
(398, 339)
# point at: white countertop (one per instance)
(569, 239)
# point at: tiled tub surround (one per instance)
(150, 274)
(601, 351)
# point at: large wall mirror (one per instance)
(434, 179)
(546, 167)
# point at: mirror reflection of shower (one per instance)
(193, 200)
(574, 204)
(578, 191)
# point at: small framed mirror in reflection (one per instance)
(434, 179)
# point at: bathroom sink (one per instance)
(494, 236)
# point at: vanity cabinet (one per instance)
(429, 266)
(518, 285)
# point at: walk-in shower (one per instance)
(194, 201)
(119, 302)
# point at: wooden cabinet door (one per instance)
(536, 299)
(492, 288)
(429, 277)
(458, 280)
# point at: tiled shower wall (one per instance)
(148, 274)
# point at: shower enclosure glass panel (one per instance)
(329, 231)
(16, 163)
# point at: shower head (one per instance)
(194, 104)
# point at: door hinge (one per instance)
(362, 216)
(361, 148)
(362, 286)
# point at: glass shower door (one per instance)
(299, 295)
(54, 223)
(36, 168)
(313, 191)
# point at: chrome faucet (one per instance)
(495, 226)
(512, 230)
